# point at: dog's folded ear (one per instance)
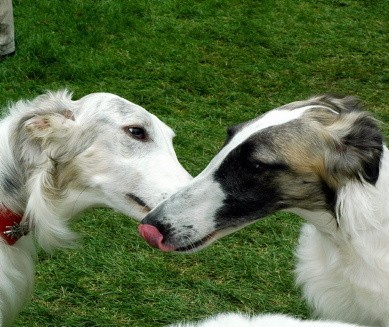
(56, 134)
(356, 147)
(49, 126)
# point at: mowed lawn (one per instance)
(201, 66)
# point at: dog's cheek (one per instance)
(71, 176)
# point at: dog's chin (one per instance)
(205, 241)
(198, 245)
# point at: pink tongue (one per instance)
(152, 236)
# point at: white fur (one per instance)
(269, 320)
(345, 275)
(63, 156)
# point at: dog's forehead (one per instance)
(114, 108)
(124, 109)
(271, 119)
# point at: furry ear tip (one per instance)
(353, 103)
(44, 121)
(37, 122)
(342, 103)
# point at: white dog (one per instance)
(59, 157)
(269, 320)
(323, 159)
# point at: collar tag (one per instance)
(11, 227)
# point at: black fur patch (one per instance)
(250, 186)
(258, 180)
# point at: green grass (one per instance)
(200, 66)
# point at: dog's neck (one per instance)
(12, 194)
(12, 180)
(361, 208)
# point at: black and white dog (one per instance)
(323, 159)
(59, 157)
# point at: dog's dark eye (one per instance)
(260, 166)
(255, 165)
(137, 132)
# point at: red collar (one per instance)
(11, 228)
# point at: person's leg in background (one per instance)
(7, 38)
